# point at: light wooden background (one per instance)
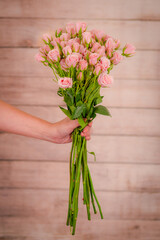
(34, 175)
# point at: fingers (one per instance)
(87, 131)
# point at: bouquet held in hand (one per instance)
(81, 62)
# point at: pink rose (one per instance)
(46, 37)
(117, 57)
(105, 80)
(54, 55)
(65, 82)
(95, 47)
(79, 56)
(97, 69)
(105, 63)
(101, 51)
(64, 37)
(67, 50)
(80, 75)
(45, 49)
(86, 54)
(82, 49)
(70, 28)
(110, 46)
(93, 58)
(54, 43)
(57, 40)
(105, 38)
(83, 64)
(117, 43)
(63, 44)
(86, 37)
(129, 50)
(99, 34)
(76, 39)
(71, 41)
(63, 64)
(82, 26)
(39, 57)
(59, 30)
(75, 46)
(72, 59)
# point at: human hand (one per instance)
(65, 127)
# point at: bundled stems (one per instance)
(78, 165)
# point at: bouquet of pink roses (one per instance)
(81, 62)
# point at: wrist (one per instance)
(49, 132)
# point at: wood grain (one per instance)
(28, 32)
(106, 177)
(91, 9)
(51, 205)
(109, 149)
(34, 174)
(31, 228)
(21, 62)
(146, 121)
(43, 91)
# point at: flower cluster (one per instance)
(75, 47)
(81, 61)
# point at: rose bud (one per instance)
(82, 26)
(86, 37)
(54, 55)
(46, 38)
(129, 50)
(72, 59)
(105, 80)
(117, 57)
(93, 58)
(39, 57)
(83, 64)
(65, 82)
(67, 50)
(105, 63)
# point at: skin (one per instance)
(15, 121)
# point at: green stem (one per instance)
(69, 204)
(99, 207)
(77, 182)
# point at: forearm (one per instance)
(16, 121)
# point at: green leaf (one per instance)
(78, 97)
(60, 92)
(71, 108)
(93, 153)
(81, 122)
(78, 111)
(102, 110)
(68, 98)
(93, 115)
(60, 47)
(98, 100)
(66, 112)
(79, 103)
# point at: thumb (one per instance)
(75, 123)
(72, 124)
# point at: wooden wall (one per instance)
(34, 174)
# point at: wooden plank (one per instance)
(85, 9)
(49, 205)
(28, 32)
(55, 175)
(109, 149)
(21, 62)
(86, 230)
(146, 121)
(43, 91)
